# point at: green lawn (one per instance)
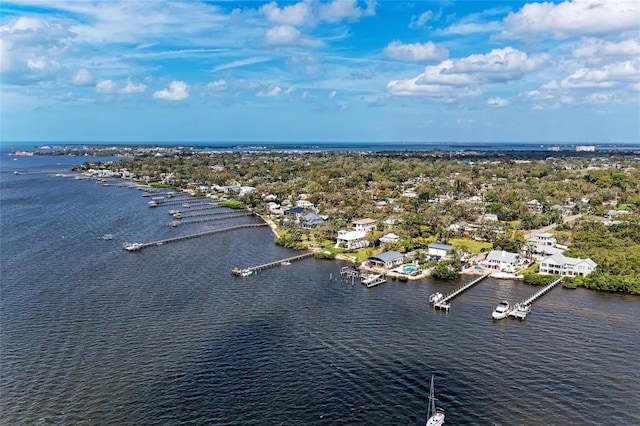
(469, 245)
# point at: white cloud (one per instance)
(132, 87)
(298, 14)
(287, 35)
(332, 95)
(217, 85)
(573, 18)
(83, 78)
(421, 21)
(499, 65)
(598, 50)
(339, 10)
(415, 52)
(242, 63)
(177, 91)
(497, 102)
(608, 76)
(270, 92)
(105, 86)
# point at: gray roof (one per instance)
(502, 256)
(439, 246)
(387, 256)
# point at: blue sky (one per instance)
(342, 70)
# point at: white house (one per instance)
(544, 238)
(560, 264)
(490, 217)
(389, 238)
(364, 225)
(304, 204)
(439, 250)
(541, 251)
(502, 261)
(351, 239)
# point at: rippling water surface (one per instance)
(92, 334)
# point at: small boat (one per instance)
(107, 237)
(520, 311)
(435, 415)
(285, 263)
(501, 311)
(435, 297)
(132, 246)
(246, 272)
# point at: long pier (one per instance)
(258, 268)
(208, 219)
(521, 309)
(204, 213)
(140, 246)
(190, 201)
(441, 302)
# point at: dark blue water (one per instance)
(92, 334)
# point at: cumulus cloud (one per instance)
(415, 52)
(499, 65)
(298, 14)
(83, 78)
(287, 35)
(270, 92)
(132, 87)
(573, 18)
(339, 10)
(177, 91)
(598, 50)
(608, 76)
(105, 86)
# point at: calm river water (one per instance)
(92, 334)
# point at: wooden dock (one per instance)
(522, 313)
(442, 303)
(140, 246)
(208, 219)
(258, 268)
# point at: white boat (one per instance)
(285, 263)
(501, 311)
(520, 311)
(246, 272)
(132, 246)
(435, 415)
(435, 297)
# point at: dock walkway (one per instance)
(140, 246)
(521, 309)
(258, 268)
(208, 219)
(441, 302)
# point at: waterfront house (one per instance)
(540, 251)
(311, 220)
(560, 264)
(386, 260)
(502, 261)
(351, 240)
(439, 250)
(364, 225)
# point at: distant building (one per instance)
(439, 250)
(389, 238)
(585, 148)
(364, 225)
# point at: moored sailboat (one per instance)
(435, 415)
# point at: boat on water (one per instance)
(107, 237)
(285, 263)
(521, 310)
(132, 246)
(501, 311)
(435, 415)
(246, 272)
(435, 297)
